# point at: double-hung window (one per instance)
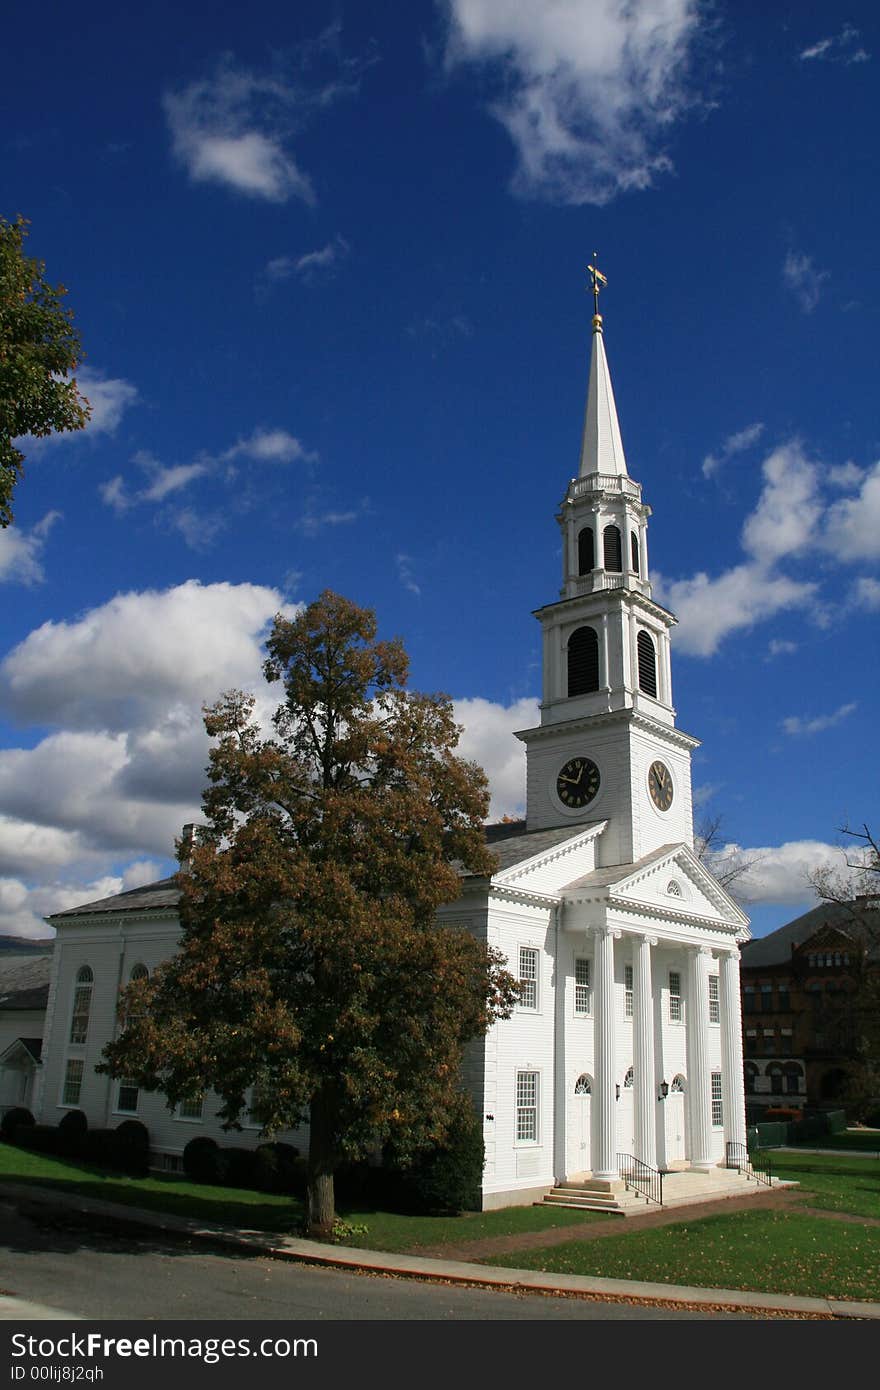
(717, 1107)
(674, 997)
(527, 1107)
(127, 1098)
(191, 1109)
(583, 999)
(528, 977)
(714, 1002)
(628, 990)
(73, 1077)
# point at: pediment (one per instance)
(548, 870)
(671, 883)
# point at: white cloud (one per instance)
(780, 873)
(488, 740)
(866, 594)
(797, 726)
(21, 552)
(780, 646)
(589, 88)
(138, 655)
(853, 524)
(405, 574)
(708, 610)
(109, 399)
(784, 521)
(839, 48)
(232, 128)
(23, 907)
(846, 475)
(269, 446)
(804, 280)
(168, 480)
(313, 522)
(732, 445)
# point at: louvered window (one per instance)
(634, 551)
(647, 665)
(586, 551)
(583, 661)
(613, 551)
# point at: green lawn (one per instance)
(768, 1251)
(266, 1212)
(847, 1182)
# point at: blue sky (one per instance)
(329, 266)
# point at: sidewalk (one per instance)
(438, 1269)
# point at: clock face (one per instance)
(577, 783)
(660, 786)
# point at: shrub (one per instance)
(72, 1129)
(18, 1115)
(201, 1159)
(276, 1168)
(239, 1167)
(446, 1180)
(43, 1139)
(133, 1147)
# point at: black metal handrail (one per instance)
(641, 1177)
(755, 1166)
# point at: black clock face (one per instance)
(660, 786)
(578, 783)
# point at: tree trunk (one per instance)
(320, 1197)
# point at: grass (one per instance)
(845, 1182)
(232, 1206)
(764, 1251)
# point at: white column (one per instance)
(644, 1080)
(699, 1069)
(605, 1158)
(732, 1086)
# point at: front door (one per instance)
(626, 1140)
(579, 1147)
(674, 1108)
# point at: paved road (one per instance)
(60, 1261)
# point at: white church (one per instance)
(625, 1050)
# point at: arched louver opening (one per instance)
(647, 665)
(613, 554)
(586, 551)
(583, 661)
(634, 551)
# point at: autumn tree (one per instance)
(38, 347)
(313, 981)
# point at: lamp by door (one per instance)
(664, 1090)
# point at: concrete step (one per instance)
(680, 1189)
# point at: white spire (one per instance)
(602, 446)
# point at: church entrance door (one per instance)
(626, 1142)
(675, 1127)
(579, 1145)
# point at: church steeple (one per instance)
(607, 717)
(601, 444)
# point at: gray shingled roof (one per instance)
(150, 898)
(24, 982)
(510, 842)
(615, 873)
(776, 947)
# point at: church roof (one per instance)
(152, 896)
(777, 946)
(512, 842)
(602, 445)
(616, 873)
(24, 982)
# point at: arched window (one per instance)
(647, 664)
(82, 1004)
(583, 1086)
(751, 1074)
(634, 552)
(679, 1084)
(613, 550)
(586, 551)
(583, 661)
(628, 1080)
(138, 972)
(673, 888)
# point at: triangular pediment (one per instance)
(550, 867)
(670, 883)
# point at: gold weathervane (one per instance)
(598, 282)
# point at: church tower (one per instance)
(607, 749)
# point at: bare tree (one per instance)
(726, 861)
